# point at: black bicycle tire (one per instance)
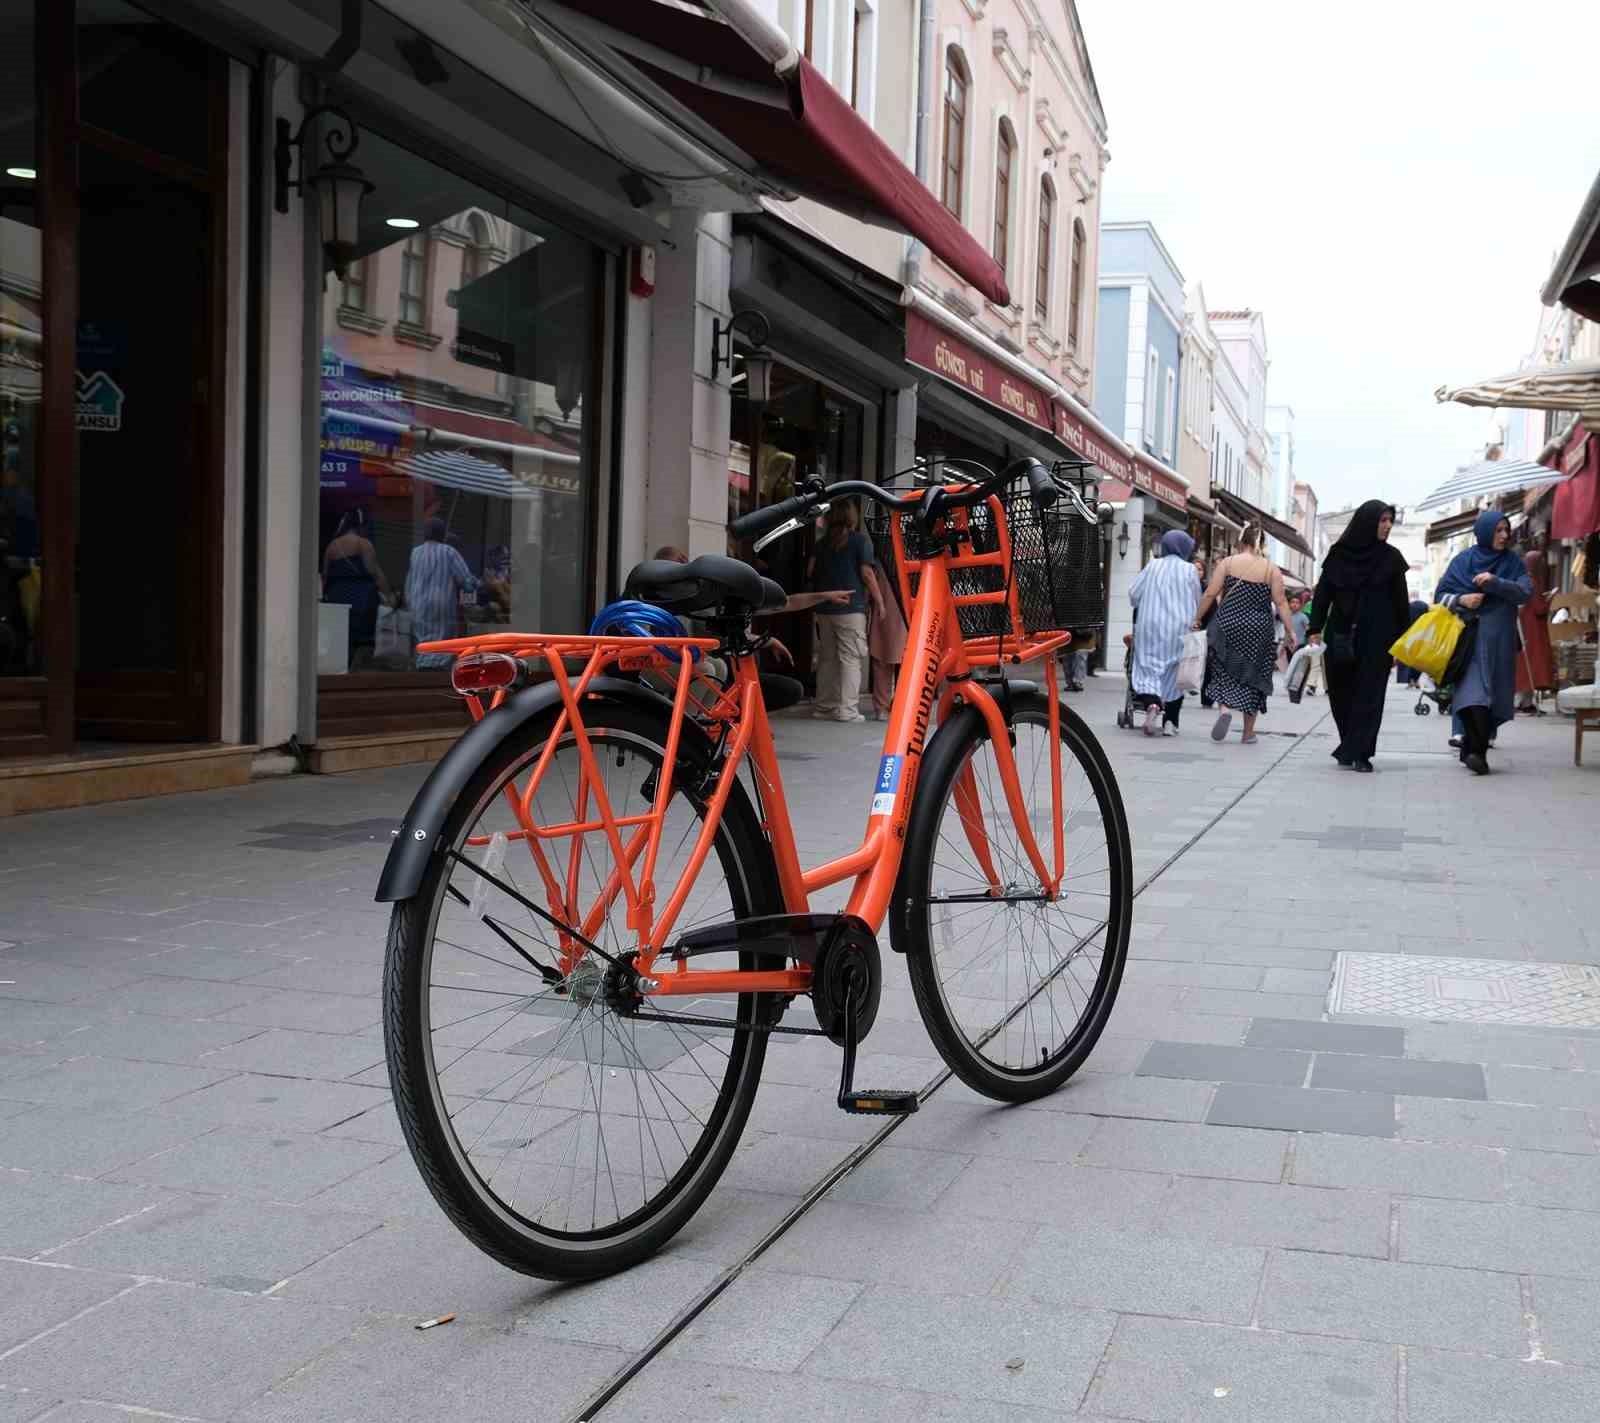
(911, 924)
(420, 1123)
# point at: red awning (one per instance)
(800, 129)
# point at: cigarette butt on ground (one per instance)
(435, 1323)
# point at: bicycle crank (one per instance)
(846, 986)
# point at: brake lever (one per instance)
(772, 536)
(1089, 516)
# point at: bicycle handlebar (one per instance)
(929, 505)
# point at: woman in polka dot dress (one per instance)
(1241, 671)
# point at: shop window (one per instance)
(1004, 152)
(456, 476)
(1075, 298)
(1152, 377)
(1047, 219)
(955, 131)
(1168, 433)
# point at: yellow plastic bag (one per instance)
(1428, 642)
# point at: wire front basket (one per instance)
(1055, 568)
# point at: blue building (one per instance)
(1138, 347)
(1138, 367)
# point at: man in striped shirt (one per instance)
(435, 580)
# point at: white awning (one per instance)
(1572, 385)
(1479, 481)
(464, 472)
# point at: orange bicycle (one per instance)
(600, 913)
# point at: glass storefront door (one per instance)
(148, 476)
(804, 428)
(23, 691)
(112, 175)
(144, 478)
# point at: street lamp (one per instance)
(1122, 542)
(757, 363)
(338, 183)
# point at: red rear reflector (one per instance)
(484, 672)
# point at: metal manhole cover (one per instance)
(1548, 995)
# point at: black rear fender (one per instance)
(416, 840)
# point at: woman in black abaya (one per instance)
(1360, 608)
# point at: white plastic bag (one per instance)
(1300, 669)
(1192, 665)
(394, 637)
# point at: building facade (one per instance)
(502, 374)
(1197, 388)
(1281, 484)
(1230, 419)
(1242, 337)
(1138, 390)
(1306, 520)
(239, 490)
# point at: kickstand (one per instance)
(864, 1102)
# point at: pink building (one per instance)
(1016, 147)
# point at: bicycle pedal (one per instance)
(879, 1104)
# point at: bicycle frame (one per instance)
(937, 656)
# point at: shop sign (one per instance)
(1159, 485)
(345, 437)
(1076, 435)
(553, 483)
(360, 395)
(103, 350)
(99, 403)
(936, 350)
(339, 472)
(1131, 473)
(473, 348)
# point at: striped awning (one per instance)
(1481, 481)
(1571, 385)
(467, 473)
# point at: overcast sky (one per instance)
(1388, 183)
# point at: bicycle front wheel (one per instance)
(565, 1135)
(1015, 987)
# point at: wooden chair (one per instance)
(1584, 704)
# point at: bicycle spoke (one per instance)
(601, 1116)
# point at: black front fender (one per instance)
(417, 839)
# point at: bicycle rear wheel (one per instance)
(566, 1137)
(1014, 989)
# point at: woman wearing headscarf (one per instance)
(1536, 667)
(1492, 582)
(1165, 596)
(1360, 607)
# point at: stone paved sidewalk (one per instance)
(1244, 1208)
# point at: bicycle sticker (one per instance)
(888, 783)
(493, 862)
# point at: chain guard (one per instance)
(851, 949)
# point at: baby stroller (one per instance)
(1125, 717)
(1427, 693)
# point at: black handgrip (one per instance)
(1041, 485)
(761, 521)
